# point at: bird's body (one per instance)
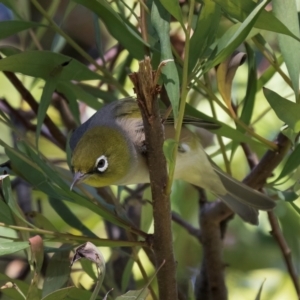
(109, 149)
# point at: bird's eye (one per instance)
(101, 163)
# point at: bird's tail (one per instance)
(242, 199)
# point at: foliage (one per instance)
(60, 60)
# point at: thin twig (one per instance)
(276, 231)
(187, 226)
(285, 250)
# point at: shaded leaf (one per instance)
(8, 28)
(135, 295)
(12, 247)
(266, 20)
(205, 31)
(169, 147)
(234, 37)
(58, 272)
(286, 111)
(117, 27)
(41, 221)
(295, 207)
(69, 217)
(69, 293)
(75, 92)
(172, 6)
(251, 87)
(41, 63)
(46, 99)
(291, 164)
(286, 11)
(5, 214)
(12, 203)
(160, 20)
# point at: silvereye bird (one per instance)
(109, 149)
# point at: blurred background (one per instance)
(251, 254)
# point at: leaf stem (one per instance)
(72, 237)
(220, 141)
(264, 141)
(183, 96)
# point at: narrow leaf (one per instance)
(12, 247)
(205, 31)
(295, 207)
(41, 63)
(117, 27)
(57, 272)
(69, 293)
(172, 6)
(8, 28)
(266, 20)
(46, 99)
(286, 11)
(160, 20)
(227, 44)
(135, 295)
(69, 217)
(286, 111)
(291, 164)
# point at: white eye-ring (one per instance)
(101, 163)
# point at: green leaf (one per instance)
(295, 207)
(46, 99)
(135, 295)
(5, 214)
(172, 6)
(260, 290)
(44, 64)
(12, 247)
(117, 27)
(240, 10)
(58, 272)
(41, 221)
(12, 203)
(69, 293)
(291, 164)
(8, 28)
(205, 31)
(67, 215)
(160, 20)
(74, 92)
(286, 11)
(234, 36)
(224, 130)
(251, 87)
(169, 146)
(127, 274)
(286, 111)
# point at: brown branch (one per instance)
(215, 213)
(285, 250)
(277, 233)
(162, 238)
(26, 95)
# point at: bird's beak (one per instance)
(78, 176)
